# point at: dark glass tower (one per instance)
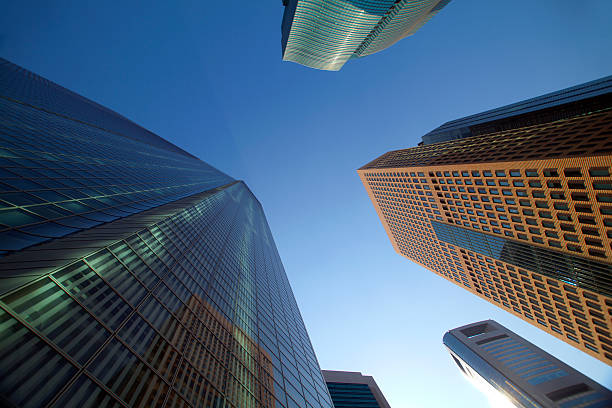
(577, 100)
(132, 274)
(350, 389)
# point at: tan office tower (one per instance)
(521, 217)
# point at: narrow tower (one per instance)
(349, 389)
(500, 362)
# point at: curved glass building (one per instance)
(513, 372)
(324, 34)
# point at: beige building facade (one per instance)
(521, 218)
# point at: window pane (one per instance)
(32, 371)
(51, 311)
(128, 376)
(85, 285)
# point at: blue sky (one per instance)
(208, 77)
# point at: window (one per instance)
(604, 198)
(569, 391)
(551, 173)
(576, 185)
(590, 231)
(564, 217)
(572, 173)
(599, 172)
(583, 208)
(557, 195)
(602, 186)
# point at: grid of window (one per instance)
(408, 203)
(587, 135)
(325, 34)
(523, 361)
(20, 85)
(346, 395)
(566, 103)
(192, 310)
(59, 176)
(159, 285)
(523, 372)
(571, 269)
(565, 207)
(404, 18)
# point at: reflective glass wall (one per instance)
(581, 272)
(65, 167)
(177, 297)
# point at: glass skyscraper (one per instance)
(521, 217)
(325, 34)
(350, 389)
(514, 372)
(568, 102)
(132, 274)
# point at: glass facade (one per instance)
(162, 285)
(325, 34)
(346, 395)
(351, 389)
(482, 374)
(60, 174)
(588, 97)
(495, 359)
(571, 269)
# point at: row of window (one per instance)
(411, 235)
(581, 136)
(596, 247)
(163, 298)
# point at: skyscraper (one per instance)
(563, 104)
(132, 274)
(324, 34)
(349, 389)
(500, 362)
(521, 218)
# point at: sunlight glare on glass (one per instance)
(496, 398)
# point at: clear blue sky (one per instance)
(208, 77)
